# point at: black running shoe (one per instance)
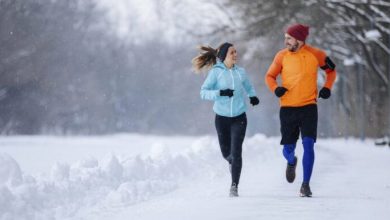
(305, 190)
(290, 171)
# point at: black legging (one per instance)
(231, 134)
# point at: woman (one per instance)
(225, 85)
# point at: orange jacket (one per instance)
(299, 75)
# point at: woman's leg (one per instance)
(222, 124)
(238, 130)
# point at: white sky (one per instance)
(138, 20)
(131, 16)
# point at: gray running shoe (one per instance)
(290, 171)
(233, 190)
(305, 190)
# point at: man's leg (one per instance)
(309, 134)
(289, 153)
(307, 162)
(290, 132)
(308, 158)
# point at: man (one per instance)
(298, 65)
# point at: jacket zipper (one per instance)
(231, 101)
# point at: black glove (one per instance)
(254, 100)
(279, 91)
(226, 92)
(324, 93)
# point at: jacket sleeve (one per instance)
(330, 78)
(250, 90)
(208, 90)
(273, 72)
(329, 67)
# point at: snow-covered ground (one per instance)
(155, 177)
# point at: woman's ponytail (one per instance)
(206, 58)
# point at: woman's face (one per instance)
(231, 56)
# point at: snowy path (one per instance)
(185, 178)
(351, 181)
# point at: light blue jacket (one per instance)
(219, 78)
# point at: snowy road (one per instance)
(185, 178)
(351, 181)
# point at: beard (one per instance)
(293, 47)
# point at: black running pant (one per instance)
(231, 134)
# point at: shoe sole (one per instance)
(303, 195)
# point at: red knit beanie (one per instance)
(298, 31)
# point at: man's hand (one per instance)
(279, 91)
(324, 93)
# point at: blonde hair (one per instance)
(206, 59)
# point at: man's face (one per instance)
(291, 43)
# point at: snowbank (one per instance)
(92, 182)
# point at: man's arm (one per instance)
(330, 70)
(273, 72)
(327, 65)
